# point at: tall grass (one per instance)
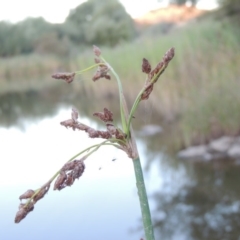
(200, 92)
(202, 88)
(23, 72)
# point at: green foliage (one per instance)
(33, 28)
(50, 43)
(12, 40)
(156, 29)
(93, 22)
(25, 36)
(231, 8)
(99, 22)
(201, 92)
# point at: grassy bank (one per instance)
(200, 88)
(199, 91)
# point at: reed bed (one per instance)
(200, 92)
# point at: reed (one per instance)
(121, 137)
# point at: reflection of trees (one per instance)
(28, 105)
(17, 106)
(205, 206)
(86, 97)
(207, 209)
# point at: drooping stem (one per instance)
(87, 69)
(95, 146)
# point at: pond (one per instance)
(188, 200)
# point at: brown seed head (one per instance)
(74, 125)
(169, 55)
(107, 76)
(96, 50)
(158, 68)
(69, 165)
(93, 133)
(70, 180)
(119, 134)
(102, 72)
(27, 194)
(97, 60)
(115, 132)
(146, 67)
(30, 206)
(99, 134)
(78, 170)
(105, 116)
(111, 128)
(23, 211)
(147, 92)
(21, 214)
(59, 183)
(67, 77)
(108, 114)
(44, 189)
(96, 76)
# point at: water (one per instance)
(188, 200)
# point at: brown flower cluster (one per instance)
(74, 169)
(69, 173)
(153, 75)
(32, 198)
(103, 68)
(106, 116)
(67, 77)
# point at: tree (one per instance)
(99, 22)
(13, 40)
(232, 7)
(32, 34)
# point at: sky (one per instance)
(56, 11)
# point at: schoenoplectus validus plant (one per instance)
(121, 137)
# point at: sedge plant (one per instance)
(120, 137)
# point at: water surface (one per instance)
(188, 200)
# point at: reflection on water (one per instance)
(189, 200)
(197, 200)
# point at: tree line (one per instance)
(93, 22)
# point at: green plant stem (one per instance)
(96, 146)
(138, 98)
(142, 194)
(87, 69)
(134, 107)
(120, 89)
